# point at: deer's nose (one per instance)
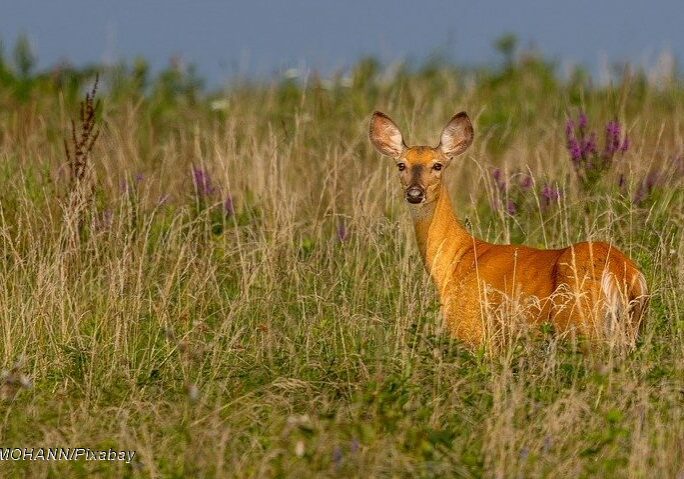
(415, 195)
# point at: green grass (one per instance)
(258, 344)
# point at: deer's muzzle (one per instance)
(415, 195)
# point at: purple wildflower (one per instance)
(228, 205)
(613, 128)
(590, 162)
(526, 182)
(570, 130)
(342, 232)
(496, 174)
(576, 147)
(550, 194)
(355, 445)
(511, 207)
(202, 181)
(575, 150)
(588, 146)
(500, 184)
(613, 134)
(337, 456)
(583, 121)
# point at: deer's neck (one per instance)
(442, 240)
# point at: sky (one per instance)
(261, 38)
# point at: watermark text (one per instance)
(64, 454)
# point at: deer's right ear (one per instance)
(385, 136)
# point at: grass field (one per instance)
(232, 287)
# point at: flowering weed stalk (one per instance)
(517, 192)
(78, 156)
(589, 162)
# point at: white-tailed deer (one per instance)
(589, 287)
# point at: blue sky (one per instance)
(260, 37)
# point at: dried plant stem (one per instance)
(81, 173)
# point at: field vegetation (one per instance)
(227, 283)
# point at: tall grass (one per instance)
(246, 299)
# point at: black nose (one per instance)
(415, 195)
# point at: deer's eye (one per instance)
(401, 166)
(437, 166)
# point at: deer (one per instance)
(588, 288)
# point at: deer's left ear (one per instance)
(457, 135)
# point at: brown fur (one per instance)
(586, 287)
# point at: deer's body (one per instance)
(586, 286)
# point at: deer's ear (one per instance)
(385, 136)
(457, 135)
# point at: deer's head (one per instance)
(421, 167)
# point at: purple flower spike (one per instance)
(511, 208)
(342, 232)
(613, 131)
(570, 129)
(202, 181)
(613, 127)
(583, 121)
(550, 194)
(228, 205)
(337, 456)
(526, 182)
(500, 184)
(575, 150)
(588, 146)
(590, 160)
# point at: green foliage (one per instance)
(24, 57)
(507, 45)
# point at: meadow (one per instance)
(228, 284)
